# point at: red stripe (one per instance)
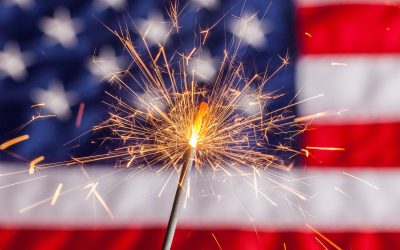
(375, 145)
(191, 239)
(349, 28)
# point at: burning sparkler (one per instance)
(186, 167)
(162, 116)
(170, 131)
(165, 117)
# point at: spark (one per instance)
(342, 192)
(165, 184)
(321, 243)
(206, 32)
(35, 117)
(187, 196)
(262, 194)
(56, 194)
(173, 13)
(92, 187)
(216, 241)
(255, 182)
(324, 237)
(307, 153)
(100, 199)
(284, 246)
(361, 180)
(32, 165)
(205, 35)
(15, 172)
(307, 34)
(289, 189)
(311, 117)
(326, 148)
(38, 105)
(20, 182)
(13, 141)
(80, 115)
(48, 199)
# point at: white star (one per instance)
(23, 4)
(13, 63)
(117, 5)
(203, 66)
(250, 30)
(208, 4)
(155, 30)
(106, 64)
(61, 28)
(55, 100)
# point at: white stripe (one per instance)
(337, 201)
(368, 87)
(341, 2)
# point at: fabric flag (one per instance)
(343, 52)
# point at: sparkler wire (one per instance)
(179, 197)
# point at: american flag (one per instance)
(61, 53)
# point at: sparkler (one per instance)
(163, 125)
(183, 179)
(162, 116)
(165, 128)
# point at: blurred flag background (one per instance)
(60, 53)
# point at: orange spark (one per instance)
(38, 105)
(11, 142)
(324, 237)
(216, 241)
(310, 117)
(80, 114)
(326, 148)
(320, 242)
(205, 32)
(306, 152)
(361, 180)
(32, 165)
(173, 13)
(307, 34)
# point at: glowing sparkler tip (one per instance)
(198, 121)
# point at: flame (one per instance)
(197, 124)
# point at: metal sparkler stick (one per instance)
(183, 178)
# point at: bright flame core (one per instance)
(198, 121)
